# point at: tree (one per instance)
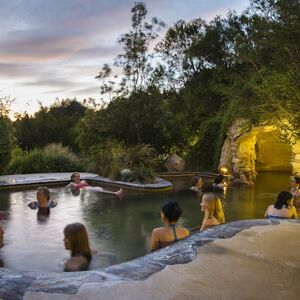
(174, 50)
(6, 134)
(55, 124)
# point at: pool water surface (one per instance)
(119, 229)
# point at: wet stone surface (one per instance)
(13, 284)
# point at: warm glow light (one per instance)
(224, 170)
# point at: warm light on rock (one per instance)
(247, 151)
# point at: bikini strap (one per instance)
(173, 226)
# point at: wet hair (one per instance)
(77, 236)
(171, 211)
(219, 179)
(195, 180)
(214, 207)
(45, 191)
(73, 175)
(282, 199)
(297, 179)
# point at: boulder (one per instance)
(175, 163)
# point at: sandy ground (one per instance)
(259, 263)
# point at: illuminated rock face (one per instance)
(295, 161)
(245, 152)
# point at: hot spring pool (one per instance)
(119, 229)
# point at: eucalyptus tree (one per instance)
(136, 59)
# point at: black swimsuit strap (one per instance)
(173, 226)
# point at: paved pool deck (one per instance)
(25, 180)
(261, 262)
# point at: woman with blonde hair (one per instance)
(212, 207)
(76, 240)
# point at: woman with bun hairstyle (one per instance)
(170, 233)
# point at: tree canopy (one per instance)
(180, 93)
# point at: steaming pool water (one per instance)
(119, 229)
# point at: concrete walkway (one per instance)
(38, 178)
(24, 180)
(262, 262)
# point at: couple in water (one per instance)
(78, 184)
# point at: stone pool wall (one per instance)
(14, 284)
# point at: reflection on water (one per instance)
(119, 229)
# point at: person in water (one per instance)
(170, 233)
(212, 207)
(43, 199)
(77, 183)
(197, 183)
(283, 207)
(219, 182)
(76, 240)
(295, 190)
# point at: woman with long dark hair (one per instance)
(283, 207)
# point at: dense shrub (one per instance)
(141, 160)
(111, 158)
(5, 142)
(53, 158)
(206, 151)
(106, 159)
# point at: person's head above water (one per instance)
(42, 194)
(197, 182)
(75, 177)
(76, 240)
(219, 179)
(295, 181)
(284, 198)
(171, 212)
(212, 206)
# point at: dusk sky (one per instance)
(54, 48)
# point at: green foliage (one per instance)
(135, 59)
(111, 158)
(205, 152)
(183, 96)
(106, 159)
(55, 124)
(6, 142)
(141, 161)
(54, 158)
(34, 161)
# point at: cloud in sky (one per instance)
(58, 46)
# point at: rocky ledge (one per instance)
(14, 284)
